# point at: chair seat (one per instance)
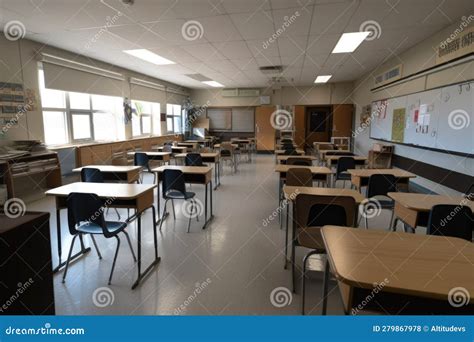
(94, 228)
(178, 195)
(310, 237)
(384, 201)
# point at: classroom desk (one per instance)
(332, 160)
(209, 157)
(290, 193)
(175, 149)
(124, 173)
(418, 271)
(205, 142)
(130, 196)
(283, 159)
(413, 209)
(234, 147)
(322, 153)
(244, 143)
(297, 151)
(190, 146)
(164, 157)
(193, 175)
(219, 145)
(360, 177)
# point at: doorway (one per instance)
(318, 124)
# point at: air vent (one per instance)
(240, 92)
(388, 76)
(272, 69)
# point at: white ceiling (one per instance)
(234, 31)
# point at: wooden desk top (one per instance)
(200, 170)
(219, 145)
(110, 168)
(331, 158)
(424, 202)
(151, 153)
(298, 151)
(204, 155)
(336, 152)
(182, 148)
(103, 190)
(365, 173)
(314, 169)
(301, 157)
(421, 265)
(289, 192)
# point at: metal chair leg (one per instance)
(118, 214)
(366, 222)
(69, 257)
(286, 235)
(190, 215)
(130, 245)
(163, 215)
(95, 245)
(391, 218)
(115, 259)
(303, 285)
(293, 247)
(174, 211)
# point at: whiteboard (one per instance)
(243, 120)
(442, 118)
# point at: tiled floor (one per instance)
(231, 268)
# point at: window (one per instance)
(71, 116)
(145, 118)
(174, 120)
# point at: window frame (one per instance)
(151, 117)
(172, 116)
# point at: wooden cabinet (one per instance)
(300, 127)
(264, 130)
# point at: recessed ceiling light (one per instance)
(322, 78)
(213, 84)
(350, 41)
(149, 56)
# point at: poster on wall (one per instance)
(398, 124)
(11, 97)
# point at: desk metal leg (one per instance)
(286, 234)
(325, 287)
(206, 221)
(217, 174)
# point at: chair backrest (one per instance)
(299, 177)
(173, 180)
(290, 152)
(226, 145)
(451, 220)
(91, 175)
(336, 153)
(168, 143)
(141, 159)
(84, 207)
(193, 159)
(226, 153)
(381, 184)
(299, 161)
(317, 211)
(286, 140)
(344, 164)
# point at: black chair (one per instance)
(86, 216)
(344, 164)
(93, 175)
(194, 159)
(174, 187)
(141, 159)
(290, 152)
(377, 199)
(299, 161)
(336, 153)
(451, 220)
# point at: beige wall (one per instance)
(18, 63)
(417, 58)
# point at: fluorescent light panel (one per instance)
(322, 78)
(350, 41)
(213, 84)
(149, 56)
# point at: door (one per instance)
(264, 131)
(342, 120)
(319, 124)
(300, 126)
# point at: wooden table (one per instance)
(322, 153)
(283, 159)
(219, 145)
(413, 209)
(360, 177)
(175, 149)
(124, 173)
(164, 157)
(209, 157)
(193, 175)
(244, 143)
(191, 146)
(418, 271)
(298, 151)
(134, 196)
(332, 160)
